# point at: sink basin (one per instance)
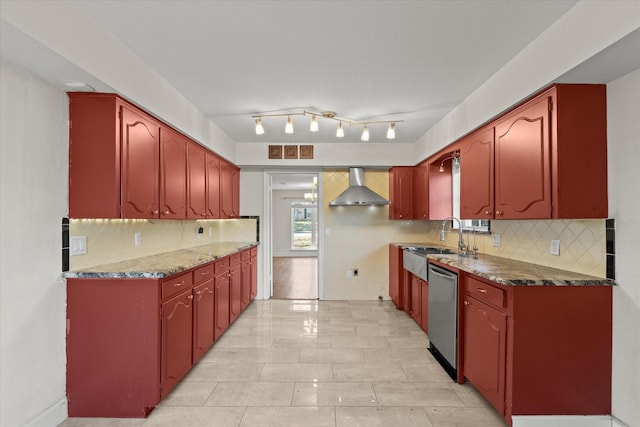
(414, 259)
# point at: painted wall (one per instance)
(623, 115)
(33, 200)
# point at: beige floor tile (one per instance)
(390, 355)
(189, 394)
(416, 394)
(336, 330)
(359, 342)
(334, 394)
(251, 394)
(103, 422)
(371, 372)
(296, 372)
(425, 372)
(252, 355)
(331, 355)
(224, 372)
(194, 417)
(289, 416)
(409, 342)
(470, 396)
(309, 341)
(382, 417)
(249, 341)
(454, 417)
(382, 331)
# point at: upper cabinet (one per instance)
(544, 159)
(229, 190)
(421, 191)
(124, 163)
(401, 192)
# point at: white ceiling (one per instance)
(384, 60)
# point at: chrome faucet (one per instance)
(475, 248)
(461, 246)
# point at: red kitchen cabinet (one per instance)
(416, 298)
(229, 190)
(196, 182)
(177, 321)
(203, 311)
(213, 186)
(424, 305)
(485, 350)
(401, 192)
(476, 175)
(421, 191)
(235, 288)
(440, 188)
(246, 278)
(173, 173)
(254, 272)
(222, 297)
(396, 276)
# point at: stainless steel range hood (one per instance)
(357, 194)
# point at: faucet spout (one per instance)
(461, 246)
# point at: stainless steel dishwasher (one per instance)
(443, 317)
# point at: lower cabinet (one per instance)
(254, 273)
(424, 303)
(416, 298)
(130, 341)
(235, 291)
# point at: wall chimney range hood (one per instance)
(357, 194)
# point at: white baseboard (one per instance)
(562, 421)
(52, 416)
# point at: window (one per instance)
(480, 225)
(304, 226)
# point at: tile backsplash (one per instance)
(113, 240)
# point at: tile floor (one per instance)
(317, 363)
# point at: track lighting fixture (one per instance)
(259, 128)
(314, 127)
(454, 155)
(365, 133)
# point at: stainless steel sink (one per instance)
(414, 259)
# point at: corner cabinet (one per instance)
(124, 163)
(544, 159)
(130, 341)
(401, 192)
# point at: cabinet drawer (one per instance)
(254, 251)
(176, 284)
(484, 292)
(203, 274)
(221, 265)
(246, 255)
(235, 259)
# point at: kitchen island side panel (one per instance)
(113, 347)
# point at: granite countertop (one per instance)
(511, 272)
(163, 264)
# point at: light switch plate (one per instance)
(77, 245)
(496, 240)
(555, 247)
(137, 239)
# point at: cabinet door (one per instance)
(522, 186)
(235, 290)
(221, 289)
(246, 283)
(173, 174)
(254, 277)
(485, 335)
(203, 319)
(213, 186)
(395, 277)
(196, 189)
(229, 190)
(401, 192)
(416, 298)
(476, 175)
(421, 191)
(424, 306)
(176, 339)
(140, 165)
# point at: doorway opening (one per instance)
(296, 212)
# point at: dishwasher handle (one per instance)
(440, 272)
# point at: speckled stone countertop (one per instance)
(510, 272)
(161, 265)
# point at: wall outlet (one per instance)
(555, 247)
(210, 231)
(327, 232)
(497, 241)
(137, 239)
(199, 231)
(77, 245)
(349, 273)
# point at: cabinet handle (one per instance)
(199, 293)
(166, 212)
(155, 212)
(177, 285)
(466, 302)
(203, 214)
(487, 212)
(499, 213)
(229, 275)
(189, 296)
(482, 291)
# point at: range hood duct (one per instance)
(357, 194)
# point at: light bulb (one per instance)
(391, 132)
(259, 128)
(339, 131)
(313, 127)
(365, 133)
(441, 169)
(289, 127)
